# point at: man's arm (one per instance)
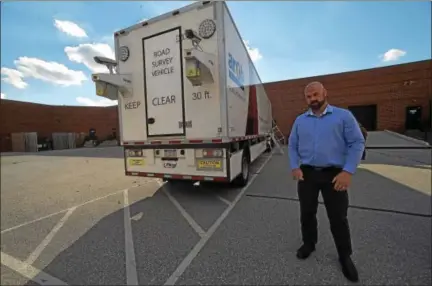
(355, 141)
(294, 158)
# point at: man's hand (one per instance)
(342, 181)
(297, 174)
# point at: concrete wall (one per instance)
(391, 88)
(18, 116)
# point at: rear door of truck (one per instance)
(165, 104)
(163, 83)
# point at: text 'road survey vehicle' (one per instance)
(191, 104)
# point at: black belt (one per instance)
(316, 168)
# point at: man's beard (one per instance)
(315, 105)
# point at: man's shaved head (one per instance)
(314, 85)
(316, 95)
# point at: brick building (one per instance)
(18, 116)
(395, 98)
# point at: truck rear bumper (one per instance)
(181, 162)
(194, 162)
(178, 177)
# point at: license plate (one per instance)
(136, 161)
(211, 164)
(170, 153)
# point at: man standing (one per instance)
(325, 148)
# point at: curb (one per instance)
(418, 141)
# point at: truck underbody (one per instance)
(214, 162)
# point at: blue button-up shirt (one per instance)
(332, 139)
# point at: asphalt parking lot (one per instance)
(72, 217)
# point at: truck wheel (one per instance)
(243, 177)
(269, 147)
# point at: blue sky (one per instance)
(47, 47)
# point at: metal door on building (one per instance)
(430, 115)
(413, 116)
(366, 115)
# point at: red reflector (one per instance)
(217, 140)
(156, 142)
(139, 143)
(195, 141)
(175, 142)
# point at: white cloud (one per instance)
(392, 55)
(253, 52)
(109, 39)
(70, 28)
(84, 54)
(3, 96)
(101, 102)
(13, 77)
(51, 72)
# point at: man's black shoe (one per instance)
(305, 250)
(348, 269)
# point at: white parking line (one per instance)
(35, 254)
(183, 212)
(33, 221)
(190, 257)
(59, 212)
(224, 200)
(29, 271)
(131, 269)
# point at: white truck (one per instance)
(190, 102)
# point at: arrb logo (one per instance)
(235, 71)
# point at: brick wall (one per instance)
(387, 87)
(18, 116)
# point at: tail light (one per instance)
(212, 153)
(134, 153)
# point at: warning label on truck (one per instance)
(163, 83)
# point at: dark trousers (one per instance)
(336, 203)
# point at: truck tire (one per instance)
(243, 178)
(269, 147)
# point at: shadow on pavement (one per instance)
(161, 236)
(376, 185)
(161, 239)
(256, 244)
(421, 159)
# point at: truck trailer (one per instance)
(191, 104)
